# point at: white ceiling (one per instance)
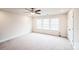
(44, 11)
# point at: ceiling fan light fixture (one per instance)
(32, 13)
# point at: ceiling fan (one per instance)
(33, 11)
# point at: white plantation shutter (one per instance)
(54, 24)
(39, 24)
(45, 24)
(48, 24)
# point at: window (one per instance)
(39, 23)
(54, 24)
(45, 24)
(48, 24)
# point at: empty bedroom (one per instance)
(36, 29)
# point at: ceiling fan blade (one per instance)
(37, 11)
(28, 9)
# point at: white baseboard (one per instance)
(9, 38)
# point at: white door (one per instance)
(70, 26)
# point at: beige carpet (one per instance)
(36, 41)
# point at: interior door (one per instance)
(70, 26)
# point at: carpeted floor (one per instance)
(36, 41)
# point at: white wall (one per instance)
(62, 29)
(13, 25)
